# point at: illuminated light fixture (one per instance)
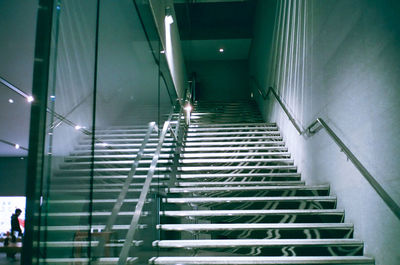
(251, 95)
(188, 108)
(221, 50)
(78, 127)
(162, 51)
(10, 101)
(52, 97)
(168, 15)
(17, 146)
(29, 99)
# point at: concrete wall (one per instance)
(221, 80)
(339, 60)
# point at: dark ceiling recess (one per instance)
(220, 20)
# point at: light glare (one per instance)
(11, 100)
(17, 146)
(221, 50)
(29, 99)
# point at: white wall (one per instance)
(339, 60)
(175, 58)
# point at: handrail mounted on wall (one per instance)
(320, 123)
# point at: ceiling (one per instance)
(205, 26)
(17, 41)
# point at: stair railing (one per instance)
(318, 124)
(124, 191)
(146, 186)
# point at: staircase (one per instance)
(238, 199)
(79, 203)
(232, 196)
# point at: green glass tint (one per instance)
(109, 94)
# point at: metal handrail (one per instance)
(118, 204)
(312, 129)
(143, 195)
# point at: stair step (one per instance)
(114, 156)
(115, 169)
(234, 154)
(96, 201)
(220, 168)
(109, 164)
(118, 151)
(68, 244)
(238, 183)
(251, 188)
(111, 146)
(227, 213)
(106, 177)
(191, 144)
(213, 125)
(234, 243)
(231, 130)
(248, 199)
(252, 226)
(206, 134)
(234, 148)
(233, 160)
(231, 138)
(85, 227)
(86, 261)
(236, 175)
(247, 260)
(80, 214)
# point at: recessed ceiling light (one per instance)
(221, 50)
(10, 100)
(17, 146)
(29, 99)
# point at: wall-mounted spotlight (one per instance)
(168, 15)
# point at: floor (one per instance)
(5, 261)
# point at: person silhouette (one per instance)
(15, 227)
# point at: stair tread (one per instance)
(250, 154)
(230, 183)
(247, 199)
(234, 160)
(294, 187)
(102, 260)
(232, 175)
(240, 226)
(342, 260)
(248, 212)
(217, 168)
(220, 243)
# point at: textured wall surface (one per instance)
(339, 60)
